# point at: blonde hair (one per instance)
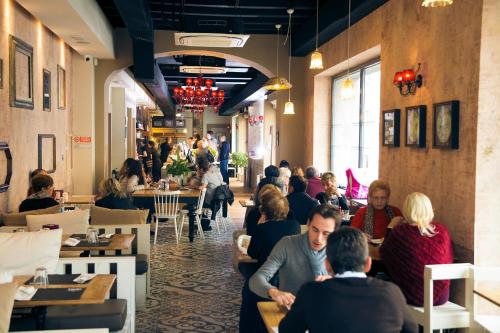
(329, 177)
(297, 171)
(267, 188)
(379, 185)
(110, 186)
(274, 205)
(417, 210)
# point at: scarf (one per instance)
(370, 213)
(40, 195)
(316, 258)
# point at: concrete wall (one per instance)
(406, 34)
(20, 127)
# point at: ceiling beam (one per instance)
(231, 107)
(159, 88)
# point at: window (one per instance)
(355, 126)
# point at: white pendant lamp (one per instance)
(436, 3)
(316, 57)
(277, 82)
(289, 108)
(347, 89)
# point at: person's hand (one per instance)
(395, 221)
(321, 278)
(283, 298)
(262, 219)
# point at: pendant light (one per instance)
(436, 3)
(316, 57)
(289, 108)
(347, 89)
(277, 82)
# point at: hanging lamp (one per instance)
(347, 89)
(436, 3)
(277, 82)
(316, 57)
(289, 108)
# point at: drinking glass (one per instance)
(92, 236)
(41, 277)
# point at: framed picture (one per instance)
(158, 122)
(1, 73)
(445, 125)
(5, 166)
(390, 127)
(415, 126)
(180, 123)
(169, 123)
(61, 88)
(21, 74)
(46, 90)
(47, 152)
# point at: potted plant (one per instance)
(240, 160)
(178, 168)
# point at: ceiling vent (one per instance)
(202, 70)
(209, 39)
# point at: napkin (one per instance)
(250, 202)
(107, 236)
(84, 278)
(71, 242)
(25, 293)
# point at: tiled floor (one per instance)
(194, 287)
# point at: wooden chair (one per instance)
(483, 322)
(198, 212)
(448, 315)
(166, 207)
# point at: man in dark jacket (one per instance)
(224, 150)
(165, 149)
(300, 203)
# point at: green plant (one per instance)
(239, 159)
(178, 167)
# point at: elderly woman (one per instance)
(331, 195)
(112, 197)
(376, 216)
(313, 182)
(297, 171)
(422, 239)
(43, 188)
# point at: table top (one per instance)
(80, 199)
(151, 193)
(246, 258)
(489, 291)
(118, 242)
(94, 292)
(374, 251)
(271, 315)
(362, 202)
(244, 203)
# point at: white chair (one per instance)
(198, 212)
(448, 315)
(486, 322)
(221, 221)
(166, 207)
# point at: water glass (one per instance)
(41, 277)
(92, 236)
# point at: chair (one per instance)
(221, 221)
(448, 315)
(483, 322)
(166, 207)
(198, 212)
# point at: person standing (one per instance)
(165, 149)
(224, 150)
(155, 163)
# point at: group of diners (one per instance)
(325, 276)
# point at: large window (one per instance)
(355, 126)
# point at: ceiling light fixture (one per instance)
(347, 89)
(197, 94)
(316, 57)
(289, 108)
(277, 82)
(436, 3)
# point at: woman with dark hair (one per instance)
(133, 177)
(112, 197)
(43, 188)
(271, 174)
(32, 175)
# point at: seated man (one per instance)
(351, 301)
(297, 259)
(301, 204)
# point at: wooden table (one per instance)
(145, 199)
(84, 199)
(118, 242)
(374, 251)
(271, 315)
(244, 203)
(246, 258)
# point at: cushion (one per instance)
(8, 291)
(105, 216)
(19, 219)
(23, 252)
(111, 314)
(72, 222)
(141, 264)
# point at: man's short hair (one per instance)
(327, 211)
(298, 183)
(272, 171)
(347, 250)
(311, 172)
(40, 182)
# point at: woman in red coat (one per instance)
(416, 241)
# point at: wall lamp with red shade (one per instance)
(407, 82)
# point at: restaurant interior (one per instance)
(182, 110)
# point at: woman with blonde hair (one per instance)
(413, 242)
(112, 197)
(297, 171)
(331, 194)
(374, 218)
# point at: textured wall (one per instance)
(20, 127)
(408, 34)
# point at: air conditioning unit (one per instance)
(195, 39)
(202, 70)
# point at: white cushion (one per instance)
(23, 252)
(72, 222)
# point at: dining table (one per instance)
(79, 199)
(116, 242)
(271, 314)
(144, 199)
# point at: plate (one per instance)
(377, 241)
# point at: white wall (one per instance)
(210, 117)
(118, 118)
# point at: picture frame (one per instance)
(445, 125)
(47, 157)
(1, 73)
(180, 123)
(5, 150)
(61, 87)
(46, 93)
(416, 126)
(169, 123)
(21, 74)
(391, 127)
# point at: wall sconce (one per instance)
(407, 82)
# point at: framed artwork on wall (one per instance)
(180, 123)
(21, 74)
(47, 152)
(415, 126)
(46, 90)
(390, 128)
(5, 167)
(446, 125)
(1, 73)
(61, 88)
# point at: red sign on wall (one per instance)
(82, 139)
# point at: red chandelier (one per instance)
(197, 94)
